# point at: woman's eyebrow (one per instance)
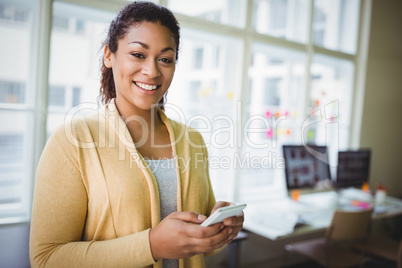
(147, 47)
(140, 43)
(167, 48)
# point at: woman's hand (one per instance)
(180, 235)
(234, 224)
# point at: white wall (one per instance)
(382, 111)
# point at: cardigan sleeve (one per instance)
(211, 196)
(58, 220)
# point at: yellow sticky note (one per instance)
(310, 134)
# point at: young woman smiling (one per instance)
(102, 197)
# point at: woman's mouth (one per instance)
(147, 87)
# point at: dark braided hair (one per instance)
(131, 14)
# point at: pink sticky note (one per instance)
(269, 133)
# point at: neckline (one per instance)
(155, 160)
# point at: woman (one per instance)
(128, 187)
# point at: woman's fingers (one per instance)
(220, 204)
(180, 235)
(234, 221)
(207, 244)
(188, 217)
(195, 230)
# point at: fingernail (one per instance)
(201, 217)
(222, 226)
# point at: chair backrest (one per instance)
(349, 225)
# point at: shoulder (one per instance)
(78, 130)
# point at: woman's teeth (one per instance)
(145, 86)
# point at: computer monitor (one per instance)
(353, 168)
(304, 170)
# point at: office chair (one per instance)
(381, 247)
(333, 250)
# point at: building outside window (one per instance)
(12, 92)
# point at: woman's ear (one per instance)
(107, 57)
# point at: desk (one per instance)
(284, 218)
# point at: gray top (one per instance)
(165, 173)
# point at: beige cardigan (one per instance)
(96, 198)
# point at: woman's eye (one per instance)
(165, 60)
(137, 55)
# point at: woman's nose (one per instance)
(150, 68)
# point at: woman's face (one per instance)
(143, 66)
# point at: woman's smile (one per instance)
(148, 87)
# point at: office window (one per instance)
(12, 92)
(222, 11)
(198, 58)
(194, 87)
(282, 18)
(57, 96)
(331, 94)
(79, 26)
(15, 147)
(203, 97)
(14, 53)
(335, 24)
(274, 117)
(74, 59)
(72, 25)
(60, 23)
(16, 113)
(271, 91)
(248, 87)
(14, 13)
(154, 1)
(76, 96)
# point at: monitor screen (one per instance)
(353, 168)
(303, 169)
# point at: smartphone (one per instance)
(222, 213)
